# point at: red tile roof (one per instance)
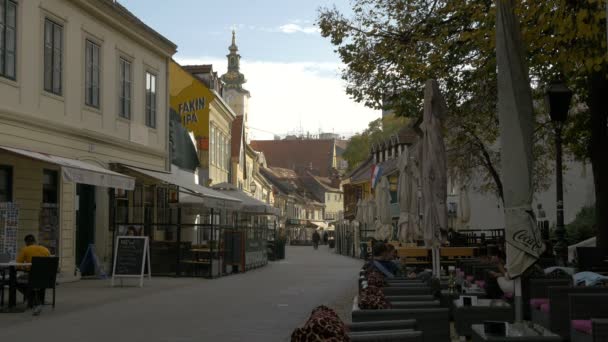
(298, 154)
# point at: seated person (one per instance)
(394, 264)
(31, 250)
(380, 262)
(506, 284)
(25, 255)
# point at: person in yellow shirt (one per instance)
(31, 250)
(25, 255)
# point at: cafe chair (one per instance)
(42, 276)
(3, 281)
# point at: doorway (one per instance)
(85, 220)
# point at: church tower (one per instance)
(235, 95)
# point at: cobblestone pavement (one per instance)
(261, 305)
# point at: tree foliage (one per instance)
(583, 227)
(360, 144)
(391, 47)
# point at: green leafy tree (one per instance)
(360, 144)
(583, 226)
(391, 47)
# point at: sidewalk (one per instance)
(261, 305)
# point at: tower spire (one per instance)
(233, 78)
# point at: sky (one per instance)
(293, 74)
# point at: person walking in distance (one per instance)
(315, 239)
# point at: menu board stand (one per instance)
(131, 255)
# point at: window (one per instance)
(212, 146)
(8, 38)
(220, 148)
(228, 152)
(49, 187)
(150, 100)
(217, 147)
(53, 56)
(223, 147)
(125, 89)
(92, 74)
(6, 183)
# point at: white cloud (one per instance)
(287, 95)
(295, 28)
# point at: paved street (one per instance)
(261, 305)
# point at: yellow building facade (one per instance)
(204, 113)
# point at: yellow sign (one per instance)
(190, 98)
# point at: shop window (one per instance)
(162, 205)
(50, 188)
(6, 183)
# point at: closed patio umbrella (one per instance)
(464, 206)
(360, 215)
(516, 116)
(414, 171)
(434, 171)
(370, 210)
(404, 192)
(407, 188)
(383, 228)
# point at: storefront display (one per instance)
(9, 223)
(48, 235)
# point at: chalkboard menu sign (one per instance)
(130, 255)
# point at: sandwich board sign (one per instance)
(131, 255)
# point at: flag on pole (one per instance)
(376, 175)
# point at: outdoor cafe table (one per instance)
(483, 310)
(12, 286)
(447, 298)
(517, 332)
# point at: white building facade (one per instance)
(81, 81)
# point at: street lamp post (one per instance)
(557, 98)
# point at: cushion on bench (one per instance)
(545, 307)
(537, 302)
(582, 325)
(481, 283)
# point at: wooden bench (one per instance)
(452, 253)
(413, 256)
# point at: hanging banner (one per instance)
(190, 98)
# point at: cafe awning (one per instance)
(78, 171)
(317, 224)
(191, 192)
(248, 203)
